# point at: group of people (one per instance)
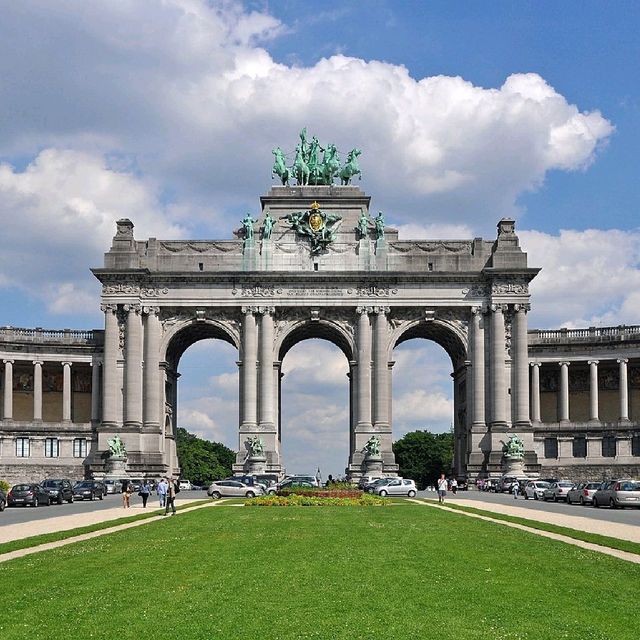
(166, 489)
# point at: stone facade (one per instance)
(363, 290)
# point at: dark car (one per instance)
(100, 488)
(87, 490)
(59, 490)
(3, 500)
(32, 494)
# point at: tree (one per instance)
(423, 456)
(201, 460)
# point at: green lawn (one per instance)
(300, 572)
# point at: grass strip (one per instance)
(593, 538)
(44, 538)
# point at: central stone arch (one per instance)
(316, 264)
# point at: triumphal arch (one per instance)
(316, 263)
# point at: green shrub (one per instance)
(4, 485)
(297, 500)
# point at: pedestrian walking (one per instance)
(442, 488)
(126, 495)
(144, 492)
(171, 497)
(454, 486)
(161, 490)
(515, 487)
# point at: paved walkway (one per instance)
(557, 519)
(5, 557)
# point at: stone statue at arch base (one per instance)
(116, 462)
(372, 463)
(513, 458)
(256, 460)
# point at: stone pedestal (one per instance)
(372, 465)
(513, 466)
(116, 468)
(255, 465)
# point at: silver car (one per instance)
(234, 489)
(557, 490)
(397, 487)
(582, 492)
(535, 489)
(618, 493)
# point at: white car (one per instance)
(397, 487)
(535, 489)
(185, 485)
(234, 489)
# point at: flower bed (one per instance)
(298, 500)
(321, 493)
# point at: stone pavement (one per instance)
(73, 521)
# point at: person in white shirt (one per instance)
(442, 488)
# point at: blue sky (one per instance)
(466, 112)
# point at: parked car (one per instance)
(365, 480)
(185, 485)
(112, 486)
(557, 490)
(618, 493)
(289, 483)
(372, 486)
(87, 490)
(135, 483)
(3, 500)
(100, 486)
(505, 483)
(397, 487)
(535, 489)
(28, 494)
(234, 489)
(582, 492)
(59, 490)
(303, 478)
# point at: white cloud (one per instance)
(588, 278)
(197, 104)
(58, 218)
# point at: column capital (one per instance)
(248, 311)
(525, 307)
(266, 311)
(622, 360)
(535, 364)
(66, 364)
(381, 311)
(151, 311)
(364, 310)
(8, 361)
(564, 363)
(498, 307)
(97, 363)
(40, 362)
(477, 311)
(590, 362)
(133, 308)
(109, 308)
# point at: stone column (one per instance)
(593, 391)
(498, 371)
(363, 383)
(477, 368)
(133, 366)
(37, 390)
(110, 373)
(624, 390)
(249, 361)
(95, 391)
(535, 392)
(266, 368)
(381, 369)
(151, 400)
(66, 392)
(563, 398)
(8, 390)
(521, 377)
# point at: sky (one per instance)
(165, 112)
